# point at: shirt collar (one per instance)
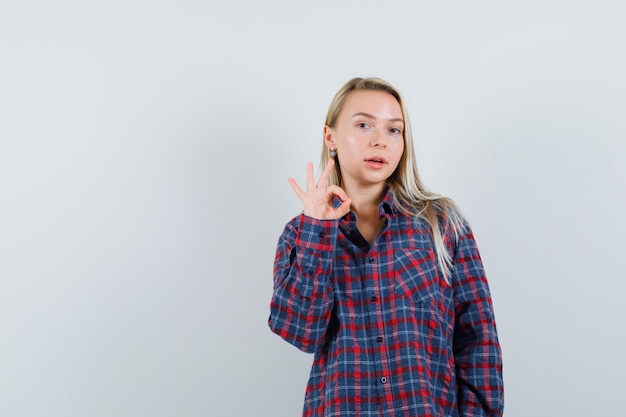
(387, 206)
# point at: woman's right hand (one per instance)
(318, 198)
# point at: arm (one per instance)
(302, 301)
(476, 348)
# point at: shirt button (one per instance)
(370, 260)
(379, 339)
(373, 298)
(383, 380)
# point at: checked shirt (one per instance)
(390, 337)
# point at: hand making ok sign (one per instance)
(318, 198)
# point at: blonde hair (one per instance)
(410, 195)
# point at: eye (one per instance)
(362, 125)
(395, 131)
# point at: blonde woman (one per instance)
(381, 279)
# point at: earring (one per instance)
(333, 153)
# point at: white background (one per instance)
(145, 148)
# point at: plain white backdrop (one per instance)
(145, 148)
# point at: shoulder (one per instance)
(453, 224)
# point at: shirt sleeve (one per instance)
(477, 352)
(302, 301)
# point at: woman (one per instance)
(381, 279)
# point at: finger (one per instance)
(325, 177)
(310, 177)
(344, 208)
(296, 188)
(338, 191)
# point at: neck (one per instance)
(365, 202)
(366, 199)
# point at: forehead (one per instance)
(376, 103)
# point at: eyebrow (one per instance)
(369, 116)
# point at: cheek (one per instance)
(397, 153)
(398, 149)
(351, 141)
(352, 146)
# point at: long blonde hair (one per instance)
(410, 195)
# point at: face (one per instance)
(368, 138)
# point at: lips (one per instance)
(376, 159)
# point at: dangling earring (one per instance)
(333, 153)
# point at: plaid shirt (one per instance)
(390, 336)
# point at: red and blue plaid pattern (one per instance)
(390, 336)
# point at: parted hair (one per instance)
(410, 195)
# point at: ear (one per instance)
(329, 137)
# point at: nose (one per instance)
(379, 140)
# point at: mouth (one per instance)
(376, 159)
